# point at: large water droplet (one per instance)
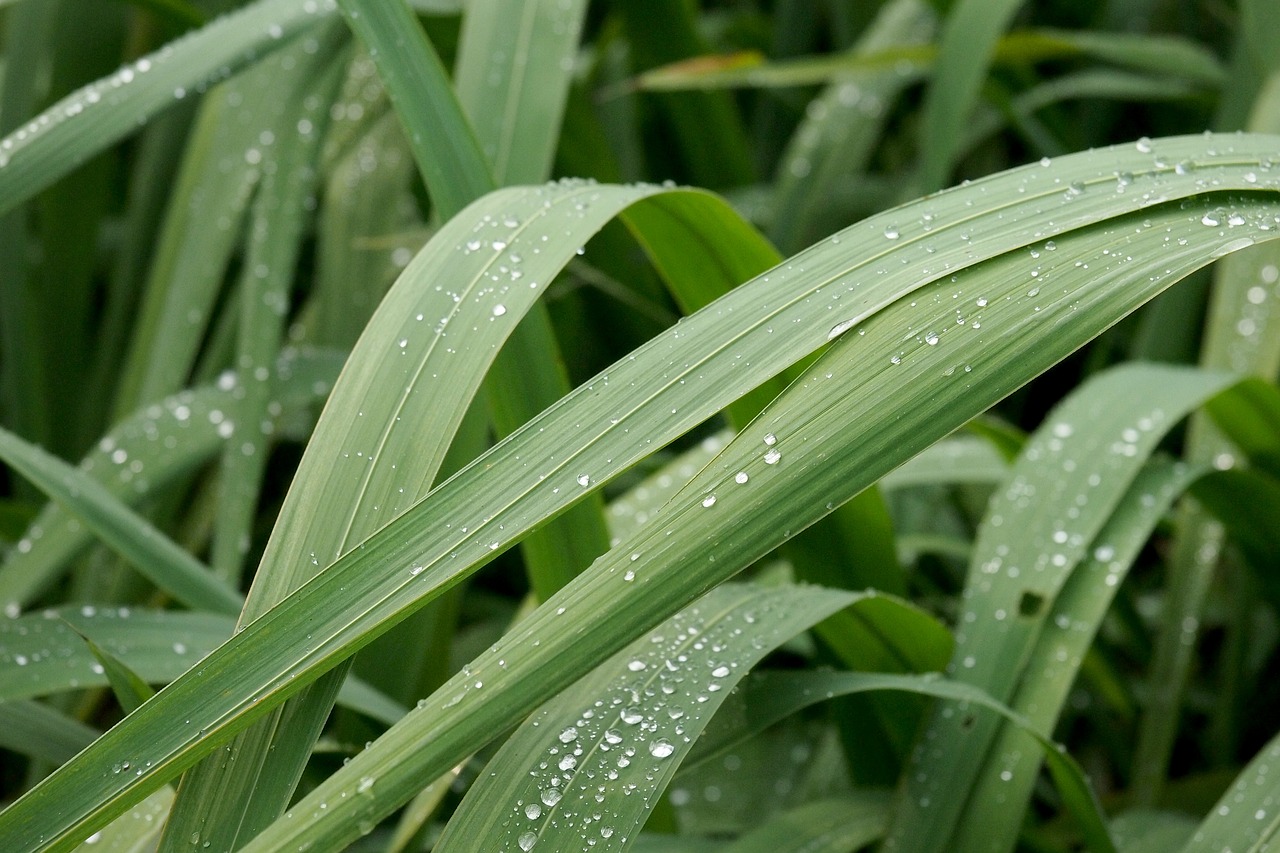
(661, 748)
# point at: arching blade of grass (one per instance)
(958, 459)
(87, 121)
(882, 633)
(145, 453)
(1130, 245)
(717, 524)
(623, 731)
(1247, 817)
(515, 58)
(410, 378)
(1071, 476)
(825, 826)
(773, 696)
(1010, 768)
(148, 549)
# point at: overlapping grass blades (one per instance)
(1181, 219)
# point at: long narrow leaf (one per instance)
(129, 534)
(87, 121)
(588, 767)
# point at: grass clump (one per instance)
(379, 382)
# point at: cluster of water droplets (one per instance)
(130, 93)
(602, 768)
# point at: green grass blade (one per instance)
(1241, 334)
(1249, 417)
(959, 459)
(1173, 57)
(593, 740)
(89, 120)
(826, 826)
(186, 277)
(881, 633)
(515, 59)
(841, 127)
(524, 71)
(148, 549)
(1247, 817)
(353, 266)
(707, 127)
(1247, 504)
(965, 48)
(145, 453)
(136, 830)
(34, 729)
(361, 470)
(773, 696)
(1061, 493)
(28, 29)
(344, 606)
(442, 141)
(130, 689)
(276, 230)
(45, 655)
(1010, 769)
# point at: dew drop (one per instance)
(661, 748)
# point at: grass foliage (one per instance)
(639, 425)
